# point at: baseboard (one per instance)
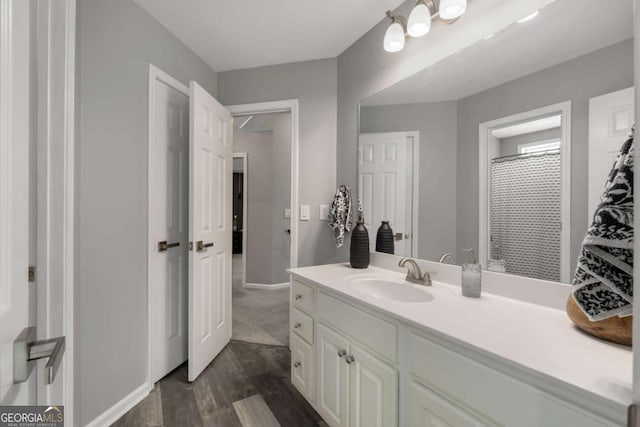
(265, 286)
(114, 413)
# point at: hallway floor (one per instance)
(247, 385)
(259, 316)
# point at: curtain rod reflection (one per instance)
(525, 155)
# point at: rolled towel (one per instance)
(603, 282)
(341, 217)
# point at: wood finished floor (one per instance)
(247, 385)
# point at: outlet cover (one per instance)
(287, 213)
(324, 213)
(305, 212)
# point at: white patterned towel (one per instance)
(341, 217)
(603, 283)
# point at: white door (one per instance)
(169, 261)
(374, 391)
(210, 210)
(333, 377)
(385, 166)
(610, 119)
(17, 295)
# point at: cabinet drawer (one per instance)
(302, 325)
(377, 334)
(490, 393)
(302, 367)
(302, 296)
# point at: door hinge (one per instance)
(32, 273)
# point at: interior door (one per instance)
(385, 185)
(210, 210)
(610, 119)
(17, 294)
(170, 272)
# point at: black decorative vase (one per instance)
(359, 246)
(384, 238)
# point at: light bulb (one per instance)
(419, 21)
(452, 9)
(394, 38)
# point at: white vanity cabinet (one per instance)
(359, 367)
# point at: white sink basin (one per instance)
(390, 289)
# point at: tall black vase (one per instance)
(359, 246)
(384, 238)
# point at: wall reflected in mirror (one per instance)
(505, 146)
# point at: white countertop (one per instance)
(539, 339)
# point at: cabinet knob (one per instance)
(350, 359)
(298, 296)
(297, 365)
(342, 353)
(297, 325)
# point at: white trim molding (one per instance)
(120, 408)
(264, 286)
(245, 211)
(284, 106)
(486, 143)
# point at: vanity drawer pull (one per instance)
(349, 359)
(298, 297)
(297, 365)
(342, 353)
(297, 325)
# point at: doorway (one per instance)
(261, 227)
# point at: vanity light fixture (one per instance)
(394, 37)
(528, 17)
(419, 22)
(452, 9)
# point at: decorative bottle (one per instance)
(384, 238)
(359, 255)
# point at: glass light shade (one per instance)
(419, 22)
(452, 9)
(394, 38)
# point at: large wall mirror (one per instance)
(505, 146)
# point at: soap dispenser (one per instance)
(471, 276)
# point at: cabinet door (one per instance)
(333, 377)
(429, 409)
(302, 369)
(374, 390)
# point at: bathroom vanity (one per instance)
(369, 348)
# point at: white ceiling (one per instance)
(563, 30)
(235, 34)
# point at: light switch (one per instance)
(305, 212)
(324, 213)
(287, 213)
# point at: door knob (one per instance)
(342, 353)
(26, 350)
(349, 359)
(201, 246)
(163, 246)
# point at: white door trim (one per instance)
(155, 75)
(245, 212)
(485, 129)
(56, 63)
(284, 106)
(415, 197)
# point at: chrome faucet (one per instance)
(446, 258)
(414, 274)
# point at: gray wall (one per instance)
(268, 191)
(313, 83)
(437, 124)
(509, 146)
(597, 73)
(259, 175)
(116, 42)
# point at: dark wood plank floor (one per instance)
(241, 371)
